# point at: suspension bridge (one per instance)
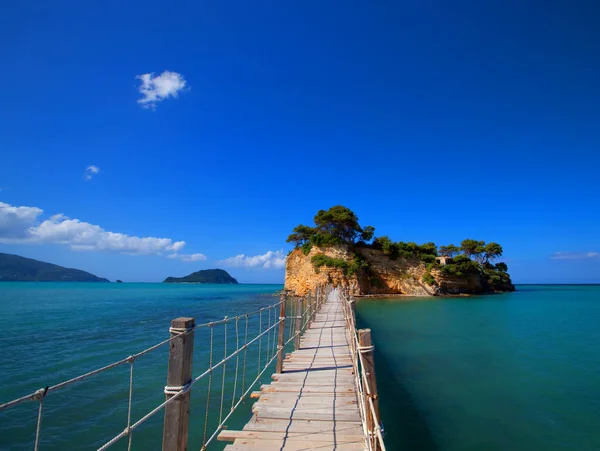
(322, 395)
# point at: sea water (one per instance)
(515, 371)
(51, 332)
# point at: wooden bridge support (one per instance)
(370, 391)
(177, 413)
(281, 335)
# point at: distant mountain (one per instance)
(204, 276)
(14, 268)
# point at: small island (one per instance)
(14, 268)
(338, 250)
(204, 276)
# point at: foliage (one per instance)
(481, 252)
(306, 247)
(460, 266)
(367, 234)
(385, 244)
(358, 263)
(349, 269)
(342, 223)
(492, 251)
(338, 225)
(497, 280)
(323, 260)
(449, 251)
(301, 234)
(472, 248)
(428, 278)
(501, 266)
(427, 258)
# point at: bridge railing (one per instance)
(226, 342)
(361, 348)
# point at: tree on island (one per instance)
(449, 251)
(338, 225)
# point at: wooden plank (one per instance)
(327, 436)
(309, 390)
(312, 401)
(277, 445)
(297, 425)
(324, 414)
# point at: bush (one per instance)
(427, 258)
(323, 260)
(306, 247)
(428, 278)
(358, 263)
(349, 269)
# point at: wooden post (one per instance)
(280, 338)
(309, 309)
(366, 349)
(352, 302)
(177, 412)
(298, 304)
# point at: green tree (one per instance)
(383, 243)
(473, 248)
(501, 266)
(341, 222)
(428, 248)
(367, 233)
(449, 251)
(301, 234)
(491, 252)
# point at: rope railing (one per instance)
(366, 396)
(235, 336)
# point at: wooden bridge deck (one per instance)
(313, 403)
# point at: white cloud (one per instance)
(90, 171)
(575, 255)
(15, 221)
(188, 257)
(22, 225)
(156, 89)
(269, 260)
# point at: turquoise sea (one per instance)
(516, 371)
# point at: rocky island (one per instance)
(14, 268)
(204, 276)
(338, 250)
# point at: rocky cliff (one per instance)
(384, 275)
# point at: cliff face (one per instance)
(385, 276)
(300, 274)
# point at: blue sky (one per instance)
(223, 125)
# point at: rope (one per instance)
(175, 389)
(224, 371)
(260, 341)
(129, 403)
(245, 352)
(208, 392)
(375, 437)
(41, 395)
(212, 437)
(272, 351)
(33, 396)
(237, 362)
